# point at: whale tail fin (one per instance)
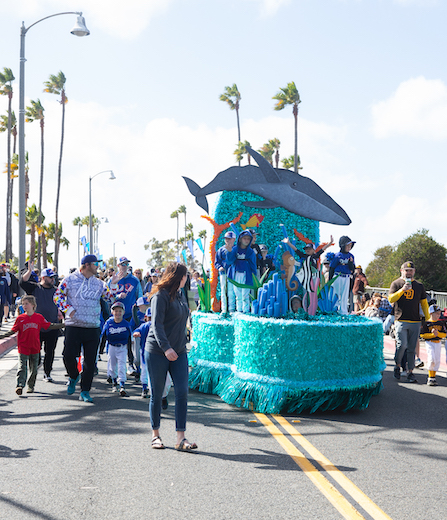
(194, 188)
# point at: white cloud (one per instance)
(418, 108)
(125, 20)
(270, 7)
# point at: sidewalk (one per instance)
(389, 346)
(7, 343)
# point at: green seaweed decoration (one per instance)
(257, 283)
(205, 294)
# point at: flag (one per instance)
(190, 245)
(199, 243)
(184, 256)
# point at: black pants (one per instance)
(75, 337)
(49, 341)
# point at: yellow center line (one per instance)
(342, 505)
(364, 501)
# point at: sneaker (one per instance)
(145, 393)
(411, 378)
(404, 373)
(397, 372)
(109, 380)
(123, 393)
(164, 403)
(115, 388)
(431, 381)
(85, 396)
(19, 390)
(30, 390)
(48, 379)
(418, 363)
(71, 385)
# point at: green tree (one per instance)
(35, 113)
(232, 96)
(289, 162)
(290, 96)
(376, 270)
(56, 85)
(275, 144)
(11, 120)
(52, 235)
(202, 234)
(182, 209)
(429, 257)
(174, 214)
(77, 221)
(161, 253)
(267, 152)
(32, 218)
(241, 150)
(6, 79)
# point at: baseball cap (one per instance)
(309, 244)
(118, 305)
(230, 234)
(123, 260)
(263, 247)
(142, 301)
(47, 272)
(407, 265)
(89, 259)
(433, 308)
(148, 312)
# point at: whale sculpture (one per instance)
(279, 187)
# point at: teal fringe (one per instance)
(206, 376)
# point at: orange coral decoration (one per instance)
(218, 228)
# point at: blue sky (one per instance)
(144, 90)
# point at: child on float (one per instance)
(310, 250)
(296, 303)
(141, 333)
(242, 262)
(117, 333)
(28, 326)
(343, 265)
(222, 267)
(433, 331)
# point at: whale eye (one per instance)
(293, 183)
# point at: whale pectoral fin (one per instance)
(265, 204)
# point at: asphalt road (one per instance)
(63, 459)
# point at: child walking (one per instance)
(117, 333)
(28, 326)
(433, 331)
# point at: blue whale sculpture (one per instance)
(280, 188)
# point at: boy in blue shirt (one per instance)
(343, 264)
(117, 333)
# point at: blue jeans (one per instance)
(158, 366)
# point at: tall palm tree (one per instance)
(77, 221)
(44, 242)
(232, 96)
(6, 79)
(52, 235)
(182, 209)
(290, 96)
(174, 214)
(11, 171)
(202, 234)
(275, 144)
(56, 85)
(241, 150)
(32, 218)
(35, 113)
(289, 162)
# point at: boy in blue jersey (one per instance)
(242, 262)
(117, 333)
(221, 265)
(343, 265)
(141, 332)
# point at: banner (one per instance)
(190, 245)
(199, 243)
(184, 256)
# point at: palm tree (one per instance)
(32, 218)
(56, 85)
(14, 166)
(290, 96)
(289, 162)
(77, 221)
(44, 242)
(267, 152)
(232, 96)
(6, 79)
(174, 214)
(202, 234)
(182, 209)
(275, 144)
(52, 235)
(241, 150)
(35, 113)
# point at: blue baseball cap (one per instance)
(118, 305)
(89, 259)
(230, 234)
(123, 260)
(148, 312)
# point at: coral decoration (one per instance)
(288, 266)
(311, 306)
(218, 228)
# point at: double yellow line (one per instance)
(345, 508)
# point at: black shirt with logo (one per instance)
(406, 308)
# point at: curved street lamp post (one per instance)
(112, 177)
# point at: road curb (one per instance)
(7, 344)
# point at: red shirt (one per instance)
(28, 328)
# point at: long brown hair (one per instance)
(170, 281)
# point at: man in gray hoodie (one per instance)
(78, 297)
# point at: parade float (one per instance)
(273, 360)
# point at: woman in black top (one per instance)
(165, 350)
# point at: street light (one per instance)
(111, 178)
(79, 29)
